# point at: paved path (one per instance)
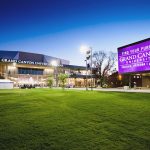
(115, 90)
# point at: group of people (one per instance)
(26, 86)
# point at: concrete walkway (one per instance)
(115, 90)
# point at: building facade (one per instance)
(31, 68)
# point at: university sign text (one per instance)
(23, 62)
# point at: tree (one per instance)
(104, 63)
(62, 78)
(50, 81)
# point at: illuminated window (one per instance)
(30, 71)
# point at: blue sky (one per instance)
(59, 27)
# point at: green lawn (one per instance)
(42, 119)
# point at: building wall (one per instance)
(31, 68)
(146, 81)
(10, 71)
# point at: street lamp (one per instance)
(84, 49)
(88, 51)
(55, 64)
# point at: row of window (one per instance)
(30, 71)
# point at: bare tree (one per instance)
(104, 63)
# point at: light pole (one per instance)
(89, 53)
(55, 64)
(86, 75)
(83, 50)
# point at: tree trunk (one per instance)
(101, 82)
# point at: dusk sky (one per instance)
(59, 27)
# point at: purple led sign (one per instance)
(135, 57)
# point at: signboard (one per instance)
(134, 57)
(23, 62)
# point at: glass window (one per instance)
(30, 71)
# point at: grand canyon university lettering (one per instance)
(23, 62)
(135, 56)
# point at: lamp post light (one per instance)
(55, 64)
(89, 53)
(86, 75)
(91, 67)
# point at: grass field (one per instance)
(42, 119)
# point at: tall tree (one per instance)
(104, 64)
(50, 81)
(62, 78)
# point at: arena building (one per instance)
(134, 60)
(31, 68)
